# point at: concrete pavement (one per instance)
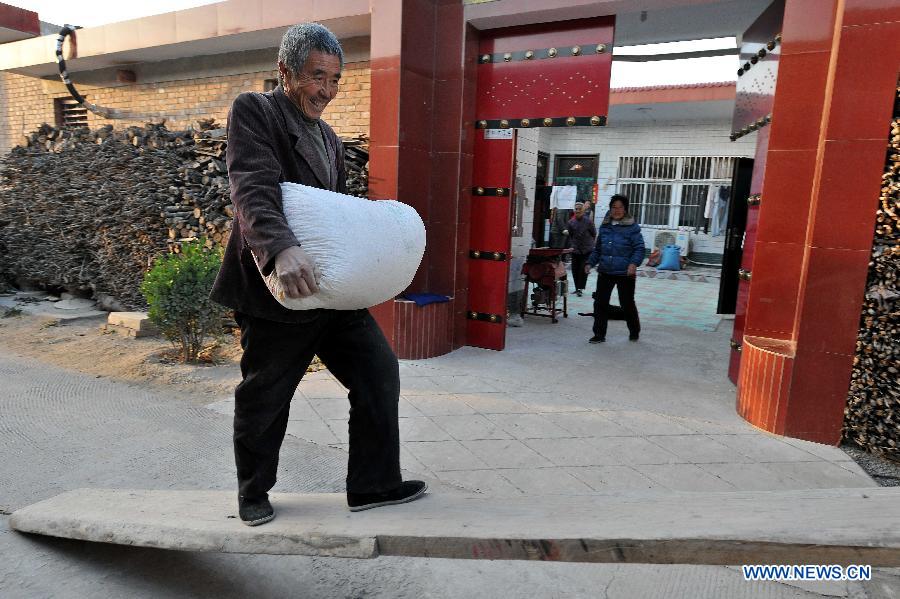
(39, 567)
(62, 430)
(664, 528)
(554, 415)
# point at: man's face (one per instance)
(617, 210)
(315, 85)
(579, 210)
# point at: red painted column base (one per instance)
(414, 332)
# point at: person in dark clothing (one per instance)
(617, 254)
(559, 222)
(582, 235)
(589, 210)
(277, 137)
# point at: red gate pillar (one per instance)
(415, 157)
(830, 121)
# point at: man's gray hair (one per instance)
(300, 40)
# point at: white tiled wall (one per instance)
(689, 138)
(527, 143)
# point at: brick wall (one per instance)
(348, 113)
(23, 106)
(26, 102)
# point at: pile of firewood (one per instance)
(90, 210)
(356, 159)
(80, 209)
(202, 207)
(872, 417)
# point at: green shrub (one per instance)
(177, 291)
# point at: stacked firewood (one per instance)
(872, 417)
(90, 210)
(80, 209)
(356, 159)
(202, 207)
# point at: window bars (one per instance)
(69, 113)
(671, 191)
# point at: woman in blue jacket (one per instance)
(617, 254)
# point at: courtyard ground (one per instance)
(550, 415)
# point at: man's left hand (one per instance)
(297, 272)
(632, 270)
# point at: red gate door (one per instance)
(544, 75)
(760, 55)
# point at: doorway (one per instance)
(580, 172)
(540, 228)
(734, 236)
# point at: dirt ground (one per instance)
(83, 347)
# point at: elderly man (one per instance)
(273, 138)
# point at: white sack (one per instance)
(367, 251)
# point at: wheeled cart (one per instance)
(546, 279)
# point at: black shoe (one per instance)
(596, 339)
(409, 490)
(254, 512)
(578, 292)
(634, 337)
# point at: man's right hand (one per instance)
(297, 272)
(587, 269)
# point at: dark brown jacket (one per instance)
(268, 144)
(582, 234)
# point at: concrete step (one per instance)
(826, 526)
(130, 324)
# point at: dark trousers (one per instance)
(276, 355)
(578, 274)
(605, 284)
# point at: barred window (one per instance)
(69, 113)
(671, 191)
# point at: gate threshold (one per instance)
(824, 526)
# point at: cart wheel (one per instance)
(554, 321)
(565, 315)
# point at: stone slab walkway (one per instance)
(662, 302)
(62, 430)
(552, 414)
(683, 528)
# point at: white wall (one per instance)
(689, 138)
(527, 144)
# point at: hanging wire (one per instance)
(107, 113)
